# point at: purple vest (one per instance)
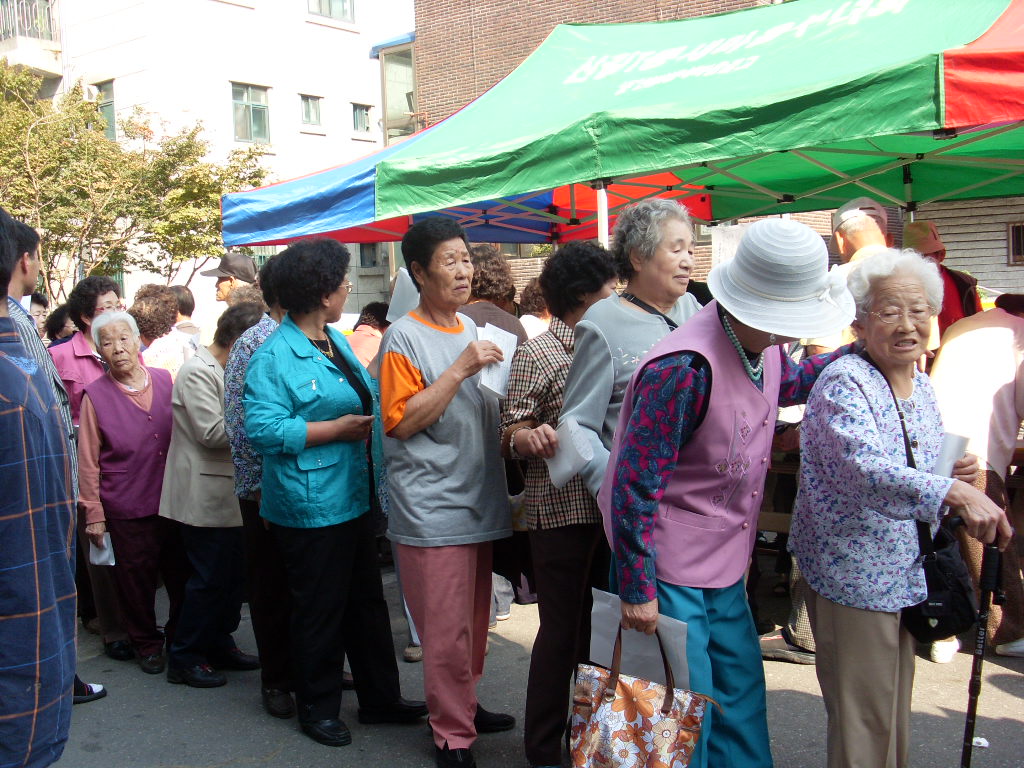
(133, 446)
(707, 518)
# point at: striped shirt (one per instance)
(37, 583)
(536, 385)
(26, 328)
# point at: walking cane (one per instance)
(990, 585)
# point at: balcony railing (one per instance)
(28, 18)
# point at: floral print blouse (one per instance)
(853, 532)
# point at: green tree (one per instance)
(102, 205)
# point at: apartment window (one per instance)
(342, 10)
(251, 113)
(398, 83)
(1015, 245)
(310, 109)
(369, 254)
(105, 104)
(361, 118)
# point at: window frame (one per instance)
(106, 108)
(1015, 257)
(356, 106)
(325, 8)
(251, 107)
(317, 101)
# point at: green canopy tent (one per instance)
(786, 108)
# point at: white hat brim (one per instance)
(808, 318)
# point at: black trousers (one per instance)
(212, 606)
(338, 609)
(270, 601)
(567, 563)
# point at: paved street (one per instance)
(147, 723)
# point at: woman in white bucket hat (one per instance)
(691, 452)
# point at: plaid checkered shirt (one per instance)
(535, 389)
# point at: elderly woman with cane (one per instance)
(690, 457)
(869, 443)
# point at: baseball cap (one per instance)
(923, 237)
(234, 264)
(860, 206)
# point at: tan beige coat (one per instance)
(199, 477)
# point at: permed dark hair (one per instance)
(265, 280)
(492, 276)
(55, 322)
(40, 299)
(234, 321)
(82, 299)
(374, 314)
(422, 239)
(155, 310)
(638, 228)
(307, 271)
(571, 272)
(186, 301)
(26, 239)
(532, 299)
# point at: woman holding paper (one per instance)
(446, 483)
(311, 409)
(569, 551)
(854, 529)
(653, 252)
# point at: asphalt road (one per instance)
(147, 723)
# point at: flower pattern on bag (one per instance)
(628, 727)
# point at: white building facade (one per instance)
(296, 76)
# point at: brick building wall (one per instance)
(463, 47)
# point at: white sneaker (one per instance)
(1015, 648)
(944, 651)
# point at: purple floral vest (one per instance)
(707, 518)
(133, 446)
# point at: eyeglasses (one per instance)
(347, 286)
(108, 307)
(917, 315)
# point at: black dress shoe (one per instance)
(402, 711)
(119, 650)
(492, 722)
(234, 659)
(453, 758)
(278, 703)
(330, 733)
(196, 676)
(152, 664)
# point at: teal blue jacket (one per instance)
(288, 383)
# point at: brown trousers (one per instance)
(865, 667)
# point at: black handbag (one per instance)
(951, 607)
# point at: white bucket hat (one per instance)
(779, 282)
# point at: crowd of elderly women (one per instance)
(678, 404)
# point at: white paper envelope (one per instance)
(574, 452)
(952, 450)
(102, 555)
(640, 654)
(494, 377)
(405, 297)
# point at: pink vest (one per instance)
(707, 518)
(133, 446)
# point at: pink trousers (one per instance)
(448, 590)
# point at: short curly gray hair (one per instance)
(109, 318)
(885, 262)
(638, 228)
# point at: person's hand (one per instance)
(352, 428)
(984, 519)
(966, 468)
(475, 356)
(643, 617)
(538, 443)
(96, 532)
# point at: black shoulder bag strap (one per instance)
(924, 533)
(672, 324)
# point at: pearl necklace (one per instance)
(753, 371)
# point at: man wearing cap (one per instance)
(959, 290)
(689, 459)
(235, 269)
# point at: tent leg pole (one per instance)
(602, 215)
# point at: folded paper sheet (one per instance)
(494, 377)
(574, 451)
(640, 655)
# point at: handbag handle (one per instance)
(613, 678)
